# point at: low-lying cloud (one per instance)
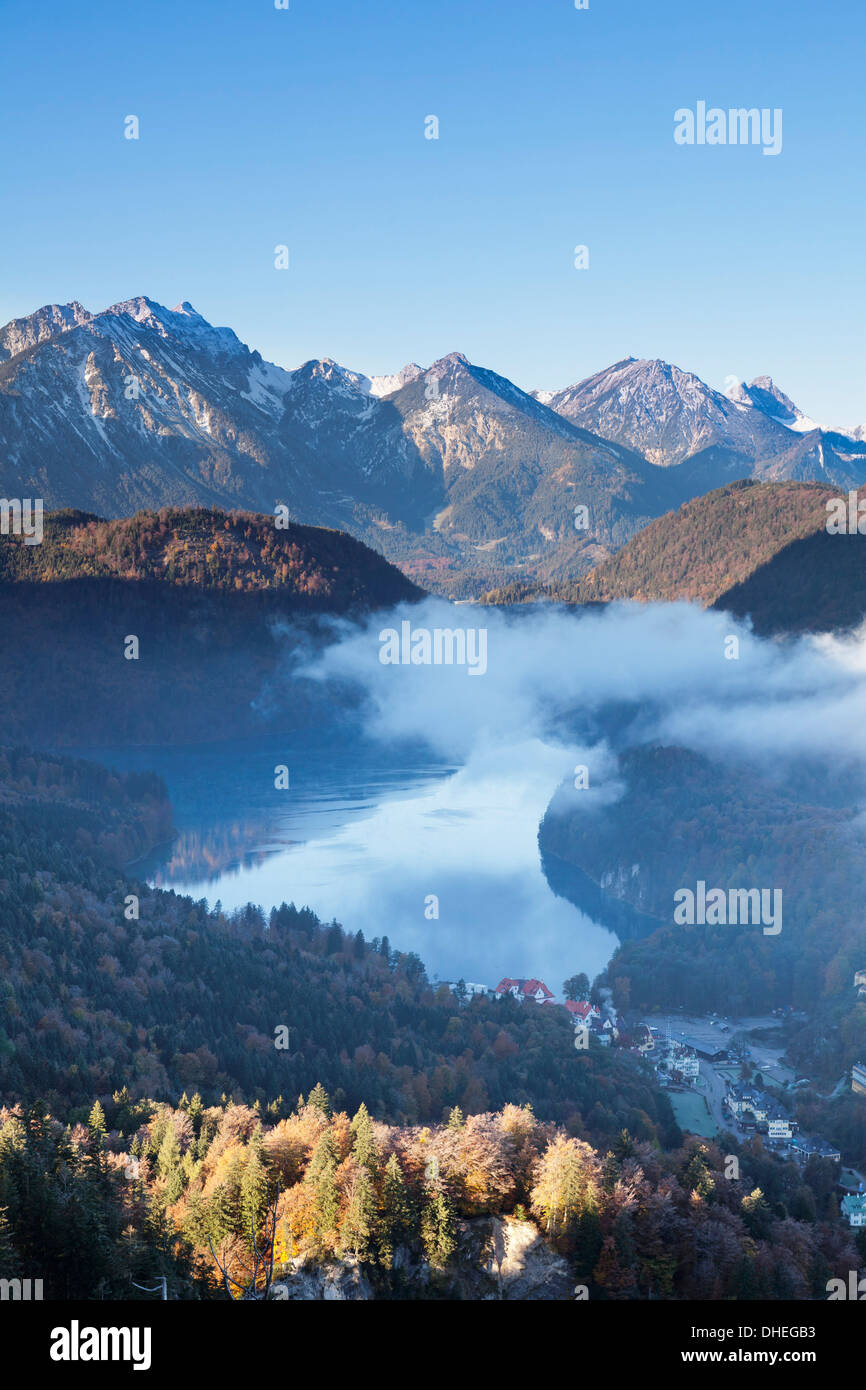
(776, 700)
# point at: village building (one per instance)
(754, 1109)
(524, 991)
(468, 988)
(806, 1146)
(854, 1207)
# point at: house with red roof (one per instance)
(582, 1011)
(535, 991)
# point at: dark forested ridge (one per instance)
(754, 549)
(687, 818)
(310, 567)
(221, 603)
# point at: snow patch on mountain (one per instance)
(387, 385)
(764, 395)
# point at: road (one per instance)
(714, 1089)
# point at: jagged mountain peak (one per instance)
(46, 322)
(667, 414)
(763, 394)
(182, 321)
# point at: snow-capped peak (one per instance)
(763, 394)
(181, 321)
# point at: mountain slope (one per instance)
(685, 818)
(760, 549)
(142, 405)
(678, 422)
(513, 471)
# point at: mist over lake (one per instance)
(419, 821)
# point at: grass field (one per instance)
(692, 1113)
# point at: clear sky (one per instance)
(305, 127)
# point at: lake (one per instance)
(380, 838)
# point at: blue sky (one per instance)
(306, 128)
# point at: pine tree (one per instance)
(195, 1112)
(610, 1172)
(169, 1153)
(697, 1177)
(455, 1119)
(325, 1152)
(624, 1145)
(254, 1193)
(327, 1199)
(359, 1222)
(397, 1212)
(438, 1231)
(96, 1122)
(365, 1148)
(319, 1098)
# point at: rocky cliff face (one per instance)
(497, 1259)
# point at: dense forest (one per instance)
(162, 994)
(309, 566)
(222, 605)
(687, 818)
(227, 1200)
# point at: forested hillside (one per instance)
(221, 604)
(686, 818)
(180, 996)
(754, 549)
(240, 552)
(227, 1200)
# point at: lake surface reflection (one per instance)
(371, 836)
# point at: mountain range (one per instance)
(452, 472)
